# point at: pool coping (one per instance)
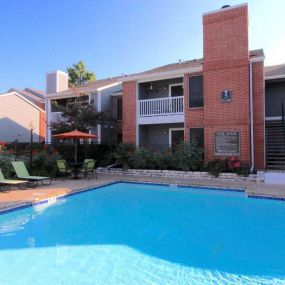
(90, 188)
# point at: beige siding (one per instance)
(15, 117)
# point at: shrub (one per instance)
(188, 157)
(142, 158)
(217, 166)
(6, 157)
(238, 167)
(232, 164)
(122, 154)
(164, 160)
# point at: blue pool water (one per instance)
(128, 233)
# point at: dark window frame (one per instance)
(199, 101)
(202, 144)
(119, 118)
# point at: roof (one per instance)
(275, 71)
(37, 92)
(24, 98)
(34, 96)
(89, 87)
(172, 67)
(183, 65)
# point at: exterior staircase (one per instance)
(275, 145)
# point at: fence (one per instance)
(65, 150)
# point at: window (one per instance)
(197, 134)
(176, 90)
(119, 138)
(196, 91)
(119, 109)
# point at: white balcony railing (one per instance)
(161, 106)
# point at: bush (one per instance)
(184, 157)
(6, 157)
(122, 154)
(232, 164)
(217, 166)
(238, 167)
(44, 164)
(165, 160)
(188, 157)
(142, 158)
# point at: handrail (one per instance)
(283, 114)
(161, 106)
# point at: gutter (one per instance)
(251, 117)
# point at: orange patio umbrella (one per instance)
(76, 135)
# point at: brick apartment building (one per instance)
(218, 100)
(227, 101)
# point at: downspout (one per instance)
(251, 117)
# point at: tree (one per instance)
(79, 114)
(78, 75)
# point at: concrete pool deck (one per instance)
(59, 187)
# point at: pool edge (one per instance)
(83, 190)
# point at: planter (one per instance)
(257, 178)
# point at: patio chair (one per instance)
(22, 173)
(62, 168)
(88, 168)
(7, 184)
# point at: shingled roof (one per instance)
(35, 97)
(181, 65)
(275, 71)
(90, 86)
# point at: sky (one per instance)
(115, 37)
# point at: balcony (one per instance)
(55, 116)
(161, 110)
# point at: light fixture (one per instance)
(32, 125)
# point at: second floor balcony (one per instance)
(161, 110)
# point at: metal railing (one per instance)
(283, 114)
(161, 106)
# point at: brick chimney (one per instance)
(226, 67)
(56, 81)
(226, 34)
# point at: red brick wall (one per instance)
(129, 112)
(226, 34)
(117, 124)
(226, 67)
(258, 113)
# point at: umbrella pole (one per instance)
(76, 150)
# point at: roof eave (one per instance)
(163, 75)
(71, 94)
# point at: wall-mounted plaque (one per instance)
(226, 96)
(227, 143)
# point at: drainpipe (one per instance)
(251, 117)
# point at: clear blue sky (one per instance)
(117, 36)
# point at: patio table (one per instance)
(75, 166)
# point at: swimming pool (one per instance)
(129, 233)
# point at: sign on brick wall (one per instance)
(226, 96)
(227, 143)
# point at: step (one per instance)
(281, 139)
(274, 178)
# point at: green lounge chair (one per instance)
(62, 168)
(22, 173)
(88, 168)
(7, 184)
